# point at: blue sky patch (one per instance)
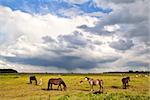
(52, 6)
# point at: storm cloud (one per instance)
(122, 44)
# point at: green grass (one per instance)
(16, 87)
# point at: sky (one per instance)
(80, 36)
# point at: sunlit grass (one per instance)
(15, 86)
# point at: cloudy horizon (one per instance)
(74, 35)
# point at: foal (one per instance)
(125, 82)
(56, 81)
(33, 78)
(93, 82)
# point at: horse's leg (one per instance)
(125, 85)
(30, 81)
(48, 86)
(51, 87)
(91, 87)
(36, 82)
(100, 87)
(59, 86)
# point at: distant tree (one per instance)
(130, 71)
(8, 71)
(136, 71)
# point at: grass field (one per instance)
(16, 87)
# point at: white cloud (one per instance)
(25, 30)
(27, 39)
(16, 23)
(112, 28)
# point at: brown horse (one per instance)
(93, 82)
(33, 78)
(56, 81)
(125, 82)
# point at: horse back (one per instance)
(97, 81)
(32, 78)
(124, 80)
(55, 81)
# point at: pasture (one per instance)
(17, 87)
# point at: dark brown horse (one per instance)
(56, 81)
(93, 82)
(33, 78)
(125, 82)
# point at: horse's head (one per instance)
(64, 85)
(86, 78)
(128, 78)
(65, 88)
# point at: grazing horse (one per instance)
(33, 78)
(95, 82)
(125, 82)
(56, 81)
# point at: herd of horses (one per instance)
(92, 82)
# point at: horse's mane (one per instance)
(88, 78)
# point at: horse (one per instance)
(33, 78)
(56, 81)
(125, 82)
(93, 82)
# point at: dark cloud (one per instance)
(127, 15)
(48, 39)
(70, 43)
(98, 30)
(137, 63)
(64, 62)
(96, 42)
(139, 32)
(135, 14)
(133, 19)
(122, 44)
(83, 26)
(74, 40)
